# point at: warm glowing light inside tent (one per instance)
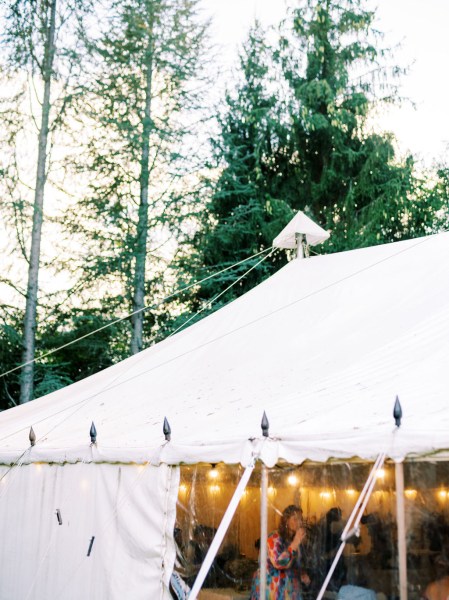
(213, 473)
(214, 488)
(380, 474)
(183, 488)
(442, 494)
(292, 479)
(350, 492)
(410, 494)
(325, 495)
(271, 490)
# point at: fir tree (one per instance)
(144, 88)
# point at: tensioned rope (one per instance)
(145, 308)
(87, 399)
(114, 383)
(210, 302)
(80, 404)
(269, 314)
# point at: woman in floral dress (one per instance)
(283, 559)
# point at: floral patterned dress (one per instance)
(283, 575)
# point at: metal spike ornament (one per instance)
(167, 430)
(265, 424)
(32, 437)
(93, 433)
(397, 412)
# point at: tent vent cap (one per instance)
(298, 228)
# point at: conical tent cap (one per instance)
(300, 224)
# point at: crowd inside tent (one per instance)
(323, 498)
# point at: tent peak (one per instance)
(300, 226)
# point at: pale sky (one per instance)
(420, 26)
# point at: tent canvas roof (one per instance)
(323, 346)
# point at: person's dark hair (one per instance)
(333, 514)
(284, 531)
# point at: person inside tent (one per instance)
(439, 589)
(330, 530)
(356, 587)
(284, 559)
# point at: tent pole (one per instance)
(299, 247)
(221, 532)
(400, 518)
(263, 531)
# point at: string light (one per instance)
(410, 494)
(292, 479)
(213, 473)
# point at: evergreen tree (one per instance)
(346, 177)
(295, 136)
(143, 91)
(244, 212)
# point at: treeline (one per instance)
(114, 193)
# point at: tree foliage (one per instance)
(295, 135)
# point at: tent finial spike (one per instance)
(167, 429)
(93, 433)
(32, 437)
(397, 412)
(265, 424)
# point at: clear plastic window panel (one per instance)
(326, 495)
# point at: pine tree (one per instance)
(244, 211)
(345, 176)
(294, 136)
(144, 88)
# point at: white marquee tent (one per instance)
(323, 346)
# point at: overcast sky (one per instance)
(420, 26)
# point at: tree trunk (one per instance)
(29, 325)
(142, 224)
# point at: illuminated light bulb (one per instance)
(411, 494)
(380, 474)
(350, 492)
(213, 473)
(325, 495)
(442, 494)
(292, 479)
(271, 491)
(183, 488)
